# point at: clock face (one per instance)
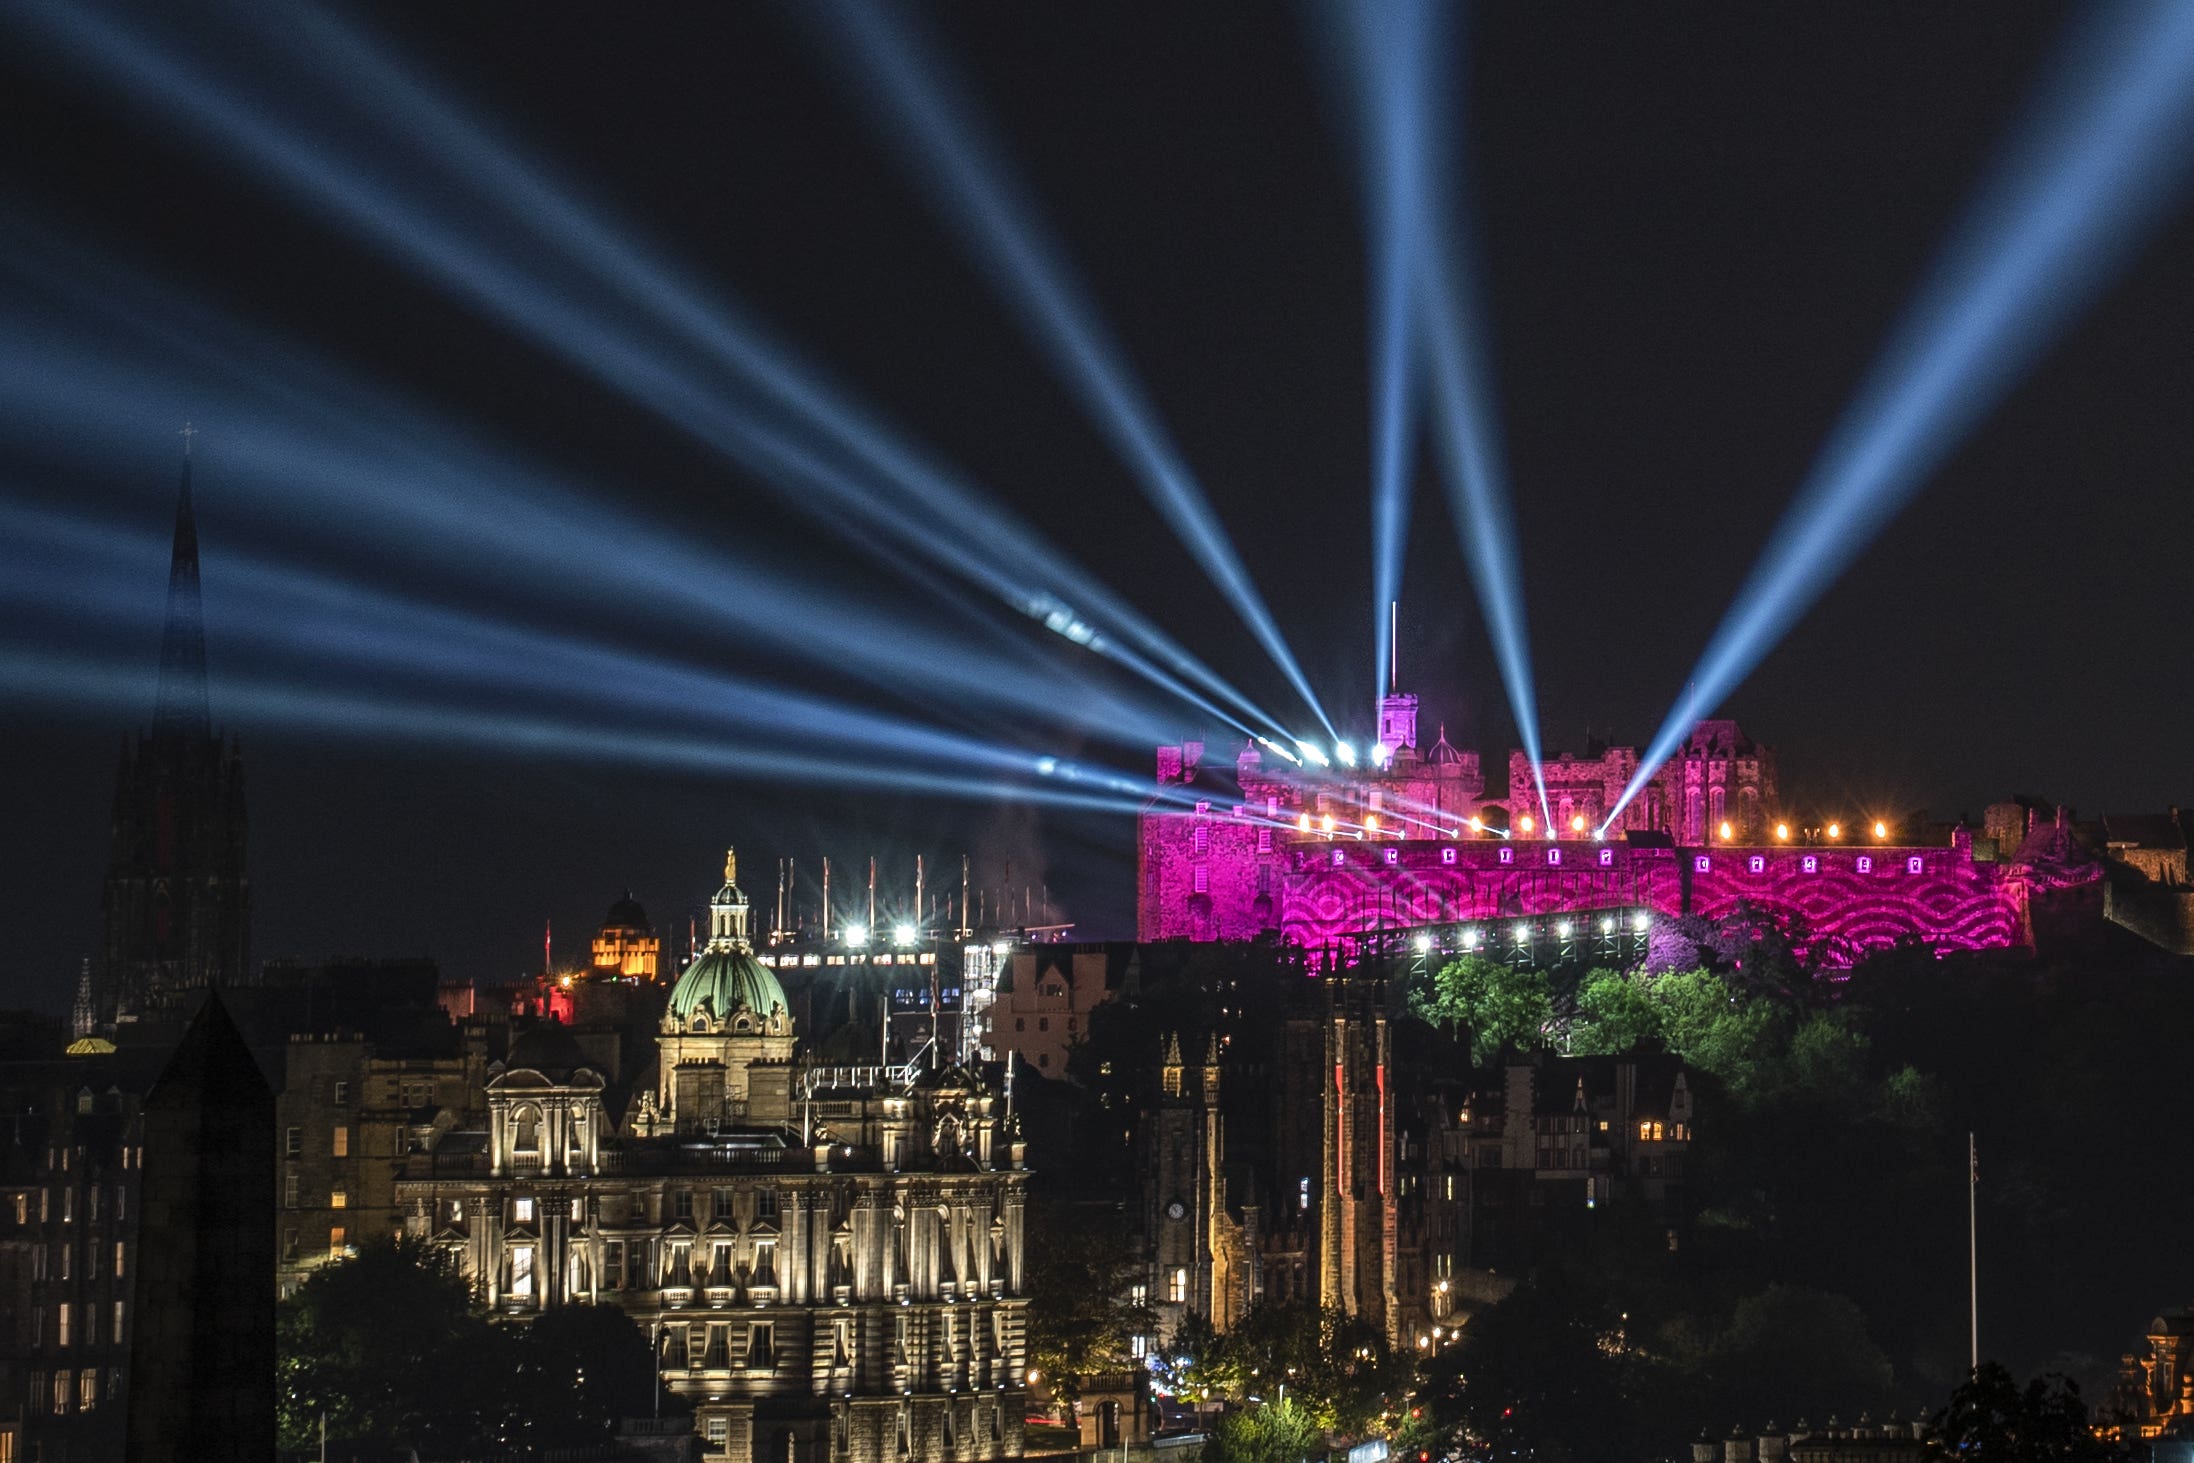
(1176, 1209)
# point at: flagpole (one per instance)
(1972, 1242)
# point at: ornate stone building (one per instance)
(828, 1261)
(626, 946)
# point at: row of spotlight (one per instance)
(1579, 825)
(1472, 937)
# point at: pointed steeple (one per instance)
(182, 708)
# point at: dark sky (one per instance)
(1695, 224)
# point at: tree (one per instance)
(1272, 1432)
(1193, 1364)
(577, 1370)
(386, 1345)
(1991, 1420)
(1616, 1013)
(1500, 1004)
(1082, 1315)
(1787, 1351)
(1338, 1368)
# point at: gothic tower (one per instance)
(177, 907)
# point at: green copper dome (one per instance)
(722, 980)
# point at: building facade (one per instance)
(828, 1260)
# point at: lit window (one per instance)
(1139, 1346)
(717, 1430)
(66, 1335)
(121, 1312)
(1645, 1132)
(1177, 1287)
(338, 1199)
(521, 1272)
(522, 1209)
(1656, 1132)
(63, 1383)
(289, 1189)
(335, 1242)
(341, 1148)
(121, 1250)
(87, 1389)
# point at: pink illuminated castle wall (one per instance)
(1323, 858)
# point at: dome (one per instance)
(1443, 753)
(721, 981)
(626, 914)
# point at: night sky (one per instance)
(1694, 223)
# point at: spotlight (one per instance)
(1470, 939)
(1346, 753)
(1380, 752)
(1371, 822)
(1641, 922)
(1881, 831)
(1315, 756)
(1325, 824)
(1562, 929)
(1423, 943)
(1524, 824)
(1782, 832)
(1523, 934)
(1302, 824)
(1725, 832)
(1577, 824)
(1835, 830)
(1001, 947)
(1607, 926)
(1477, 825)
(856, 935)
(903, 934)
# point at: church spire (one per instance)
(182, 708)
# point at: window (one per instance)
(1043, 1023)
(1447, 855)
(1554, 858)
(289, 1189)
(1139, 1346)
(87, 1389)
(335, 1242)
(121, 1314)
(341, 1145)
(1656, 1132)
(681, 1205)
(1201, 841)
(121, 1205)
(1139, 1293)
(64, 1382)
(1264, 840)
(1202, 879)
(66, 1335)
(1756, 864)
(120, 1252)
(1020, 1023)
(1177, 1286)
(522, 1209)
(1866, 864)
(717, 1430)
(338, 1199)
(1913, 865)
(22, 1208)
(765, 1204)
(1811, 863)
(1645, 1132)
(613, 1265)
(1607, 858)
(289, 1244)
(762, 1345)
(521, 1272)
(1507, 855)
(578, 1208)
(1392, 855)
(293, 1142)
(342, 1094)
(63, 1254)
(1302, 1194)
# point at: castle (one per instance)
(1328, 858)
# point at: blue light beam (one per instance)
(921, 108)
(2096, 162)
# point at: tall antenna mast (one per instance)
(966, 927)
(826, 896)
(872, 894)
(920, 915)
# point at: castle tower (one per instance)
(177, 906)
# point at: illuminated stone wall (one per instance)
(1851, 899)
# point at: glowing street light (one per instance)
(1726, 832)
(1523, 824)
(1782, 832)
(904, 934)
(1835, 830)
(856, 935)
(1577, 824)
(1423, 943)
(1881, 831)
